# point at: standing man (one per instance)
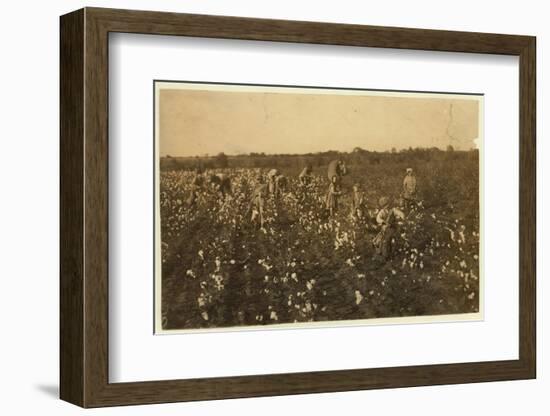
(336, 168)
(409, 189)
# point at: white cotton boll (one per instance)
(358, 297)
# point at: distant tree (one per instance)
(393, 150)
(222, 160)
(450, 148)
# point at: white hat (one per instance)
(409, 170)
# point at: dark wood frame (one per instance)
(84, 207)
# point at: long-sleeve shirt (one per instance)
(409, 187)
(332, 196)
(386, 216)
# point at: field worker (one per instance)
(357, 200)
(257, 204)
(271, 180)
(336, 168)
(332, 195)
(281, 183)
(196, 186)
(409, 189)
(222, 183)
(387, 220)
(305, 175)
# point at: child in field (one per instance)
(357, 200)
(333, 194)
(221, 183)
(272, 180)
(257, 204)
(281, 183)
(409, 189)
(387, 220)
(305, 176)
(336, 168)
(196, 186)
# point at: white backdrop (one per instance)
(29, 167)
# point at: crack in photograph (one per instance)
(296, 207)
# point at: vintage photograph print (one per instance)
(296, 207)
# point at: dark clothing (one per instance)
(335, 169)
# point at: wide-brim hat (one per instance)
(409, 170)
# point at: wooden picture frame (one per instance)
(84, 207)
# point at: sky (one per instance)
(195, 120)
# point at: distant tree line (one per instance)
(357, 156)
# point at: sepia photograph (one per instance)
(296, 207)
